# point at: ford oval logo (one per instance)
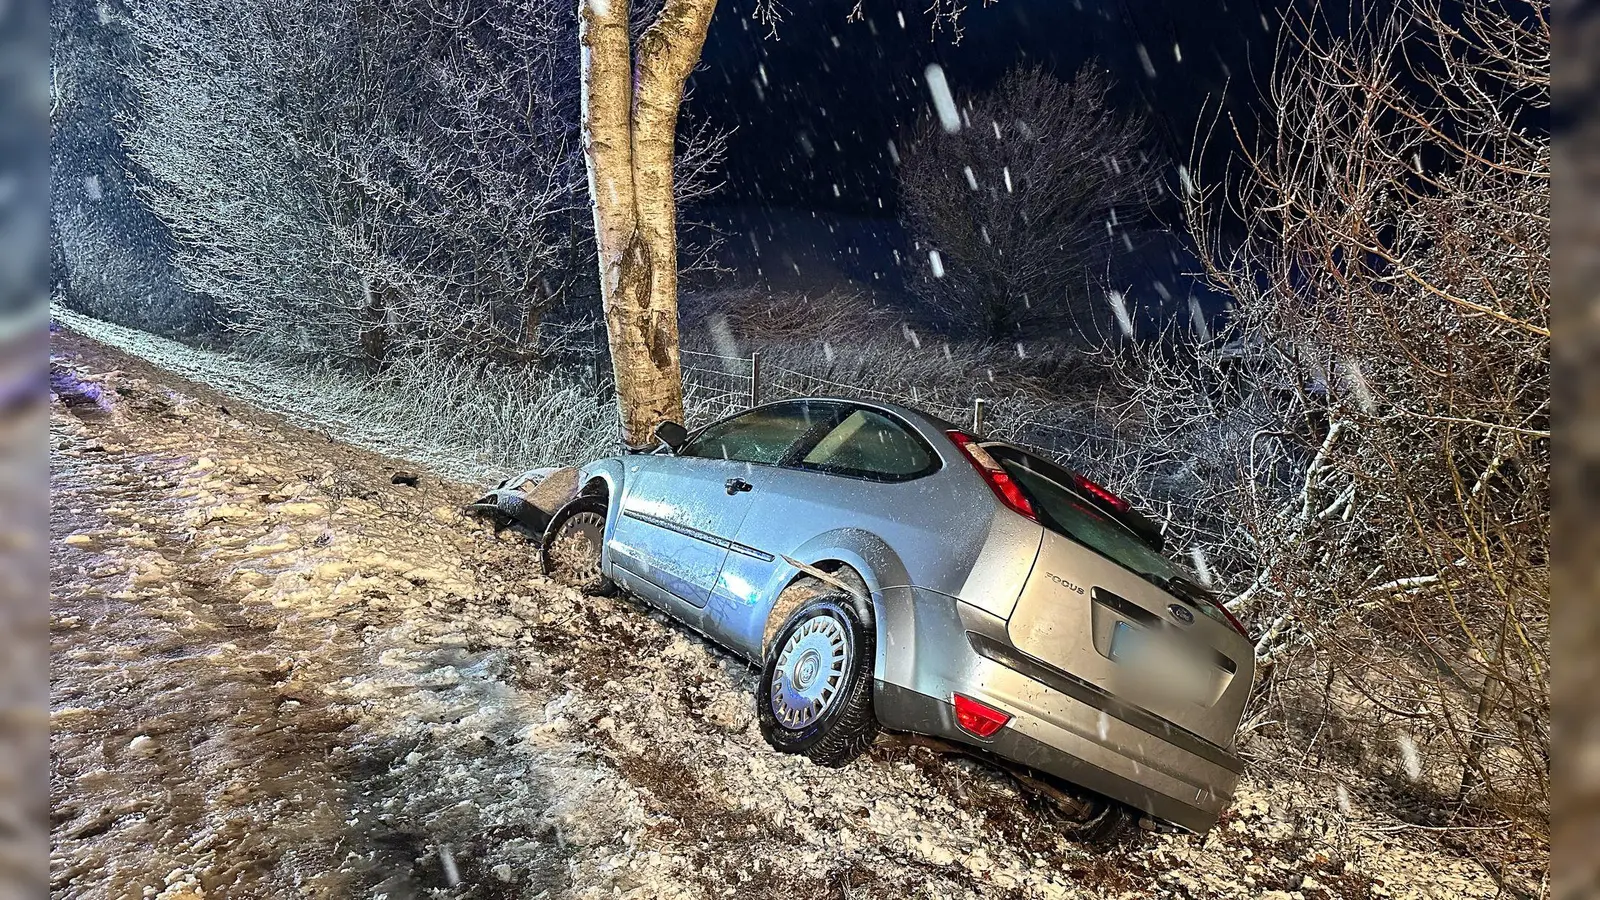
(1181, 613)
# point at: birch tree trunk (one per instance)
(630, 116)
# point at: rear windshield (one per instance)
(1063, 510)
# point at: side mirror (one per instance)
(672, 434)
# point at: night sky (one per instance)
(810, 177)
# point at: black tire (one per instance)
(572, 543)
(845, 725)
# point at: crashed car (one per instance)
(890, 571)
(527, 500)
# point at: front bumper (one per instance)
(934, 646)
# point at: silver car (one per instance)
(889, 571)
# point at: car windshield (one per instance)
(763, 435)
(1062, 509)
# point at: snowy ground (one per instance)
(275, 672)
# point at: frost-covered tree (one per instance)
(1017, 196)
(109, 255)
(354, 178)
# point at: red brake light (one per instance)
(1095, 490)
(997, 478)
(978, 719)
(1232, 619)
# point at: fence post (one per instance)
(755, 378)
(977, 416)
(602, 385)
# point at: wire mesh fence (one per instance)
(717, 385)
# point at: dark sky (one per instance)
(811, 197)
(816, 105)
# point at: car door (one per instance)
(865, 471)
(680, 513)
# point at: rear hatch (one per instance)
(1104, 605)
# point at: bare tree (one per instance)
(1018, 195)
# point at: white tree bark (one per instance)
(630, 115)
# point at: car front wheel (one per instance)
(572, 546)
(815, 693)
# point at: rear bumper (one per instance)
(1061, 726)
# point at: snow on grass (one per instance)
(443, 415)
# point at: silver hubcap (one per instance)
(810, 671)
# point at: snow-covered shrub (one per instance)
(101, 273)
(109, 255)
(1374, 425)
(472, 421)
(476, 421)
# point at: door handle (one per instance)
(735, 485)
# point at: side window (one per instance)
(760, 436)
(868, 444)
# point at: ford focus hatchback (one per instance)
(887, 570)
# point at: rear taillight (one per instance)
(1100, 493)
(1232, 619)
(977, 718)
(997, 478)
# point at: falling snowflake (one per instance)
(1197, 320)
(1186, 181)
(943, 103)
(1120, 307)
(1144, 60)
(1409, 756)
(1360, 389)
(1202, 566)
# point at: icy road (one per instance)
(276, 674)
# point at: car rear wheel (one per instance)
(572, 546)
(1085, 816)
(815, 693)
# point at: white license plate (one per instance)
(1157, 660)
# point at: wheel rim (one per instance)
(575, 554)
(810, 671)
